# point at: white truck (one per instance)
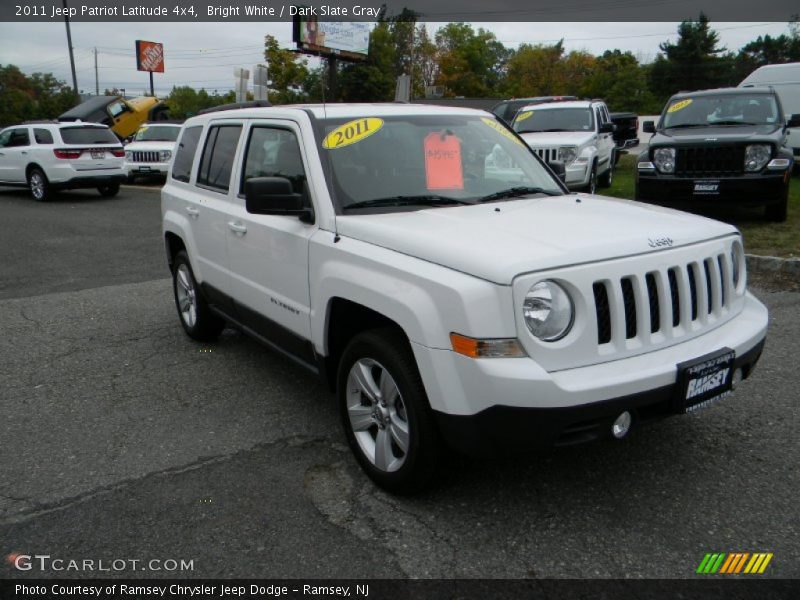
(578, 133)
(446, 300)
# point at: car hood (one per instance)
(557, 138)
(694, 135)
(498, 241)
(150, 146)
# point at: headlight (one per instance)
(567, 154)
(756, 157)
(128, 155)
(548, 311)
(664, 159)
(164, 155)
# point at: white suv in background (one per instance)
(151, 150)
(50, 156)
(577, 133)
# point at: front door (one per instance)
(269, 253)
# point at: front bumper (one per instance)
(143, 169)
(745, 190)
(497, 406)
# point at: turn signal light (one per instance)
(491, 348)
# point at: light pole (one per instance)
(69, 45)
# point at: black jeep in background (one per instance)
(719, 147)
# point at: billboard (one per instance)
(149, 56)
(326, 38)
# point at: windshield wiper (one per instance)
(736, 123)
(518, 192)
(424, 200)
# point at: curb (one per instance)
(774, 264)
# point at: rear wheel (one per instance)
(109, 191)
(385, 412)
(39, 185)
(196, 317)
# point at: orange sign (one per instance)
(149, 56)
(443, 168)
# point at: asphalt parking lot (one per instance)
(122, 438)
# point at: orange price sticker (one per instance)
(443, 168)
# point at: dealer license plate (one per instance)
(704, 380)
(144, 169)
(706, 187)
(98, 154)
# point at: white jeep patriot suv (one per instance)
(151, 150)
(577, 133)
(446, 284)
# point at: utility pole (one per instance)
(69, 45)
(96, 75)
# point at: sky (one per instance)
(203, 55)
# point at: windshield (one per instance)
(88, 135)
(157, 133)
(722, 109)
(452, 158)
(554, 119)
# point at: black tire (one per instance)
(591, 187)
(206, 326)
(109, 191)
(607, 178)
(389, 350)
(39, 185)
(778, 213)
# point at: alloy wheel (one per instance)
(187, 295)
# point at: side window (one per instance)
(5, 137)
(184, 157)
(273, 152)
(218, 153)
(42, 136)
(115, 109)
(19, 137)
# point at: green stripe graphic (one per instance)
(703, 563)
(718, 564)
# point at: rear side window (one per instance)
(42, 136)
(88, 135)
(184, 158)
(217, 162)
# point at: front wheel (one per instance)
(608, 177)
(385, 412)
(591, 187)
(196, 317)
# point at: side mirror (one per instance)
(794, 121)
(275, 196)
(649, 126)
(608, 128)
(559, 168)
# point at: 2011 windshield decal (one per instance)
(660, 242)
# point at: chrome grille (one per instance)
(547, 154)
(145, 157)
(634, 306)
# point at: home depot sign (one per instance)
(149, 56)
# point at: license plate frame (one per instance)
(98, 154)
(704, 380)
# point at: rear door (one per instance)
(269, 253)
(14, 154)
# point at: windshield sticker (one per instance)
(679, 105)
(501, 130)
(443, 169)
(352, 132)
(525, 115)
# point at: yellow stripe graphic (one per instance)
(765, 563)
(758, 562)
(749, 567)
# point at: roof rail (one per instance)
(234, 106)
(41, 122)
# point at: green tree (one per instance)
(38, 96)
(184, 102)
(372, 80)
(621, 82)
(470, 63)
(288, 72)
(694, 62)
(534, 70)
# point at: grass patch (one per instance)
(760, 236)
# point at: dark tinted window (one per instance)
(217, 161)
(274, 153)
(184, 158)
(42, 136)
(88, 135)
(19, 137)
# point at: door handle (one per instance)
(237, 227)
(193, 212)
(24, 152)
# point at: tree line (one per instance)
(461, 61)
